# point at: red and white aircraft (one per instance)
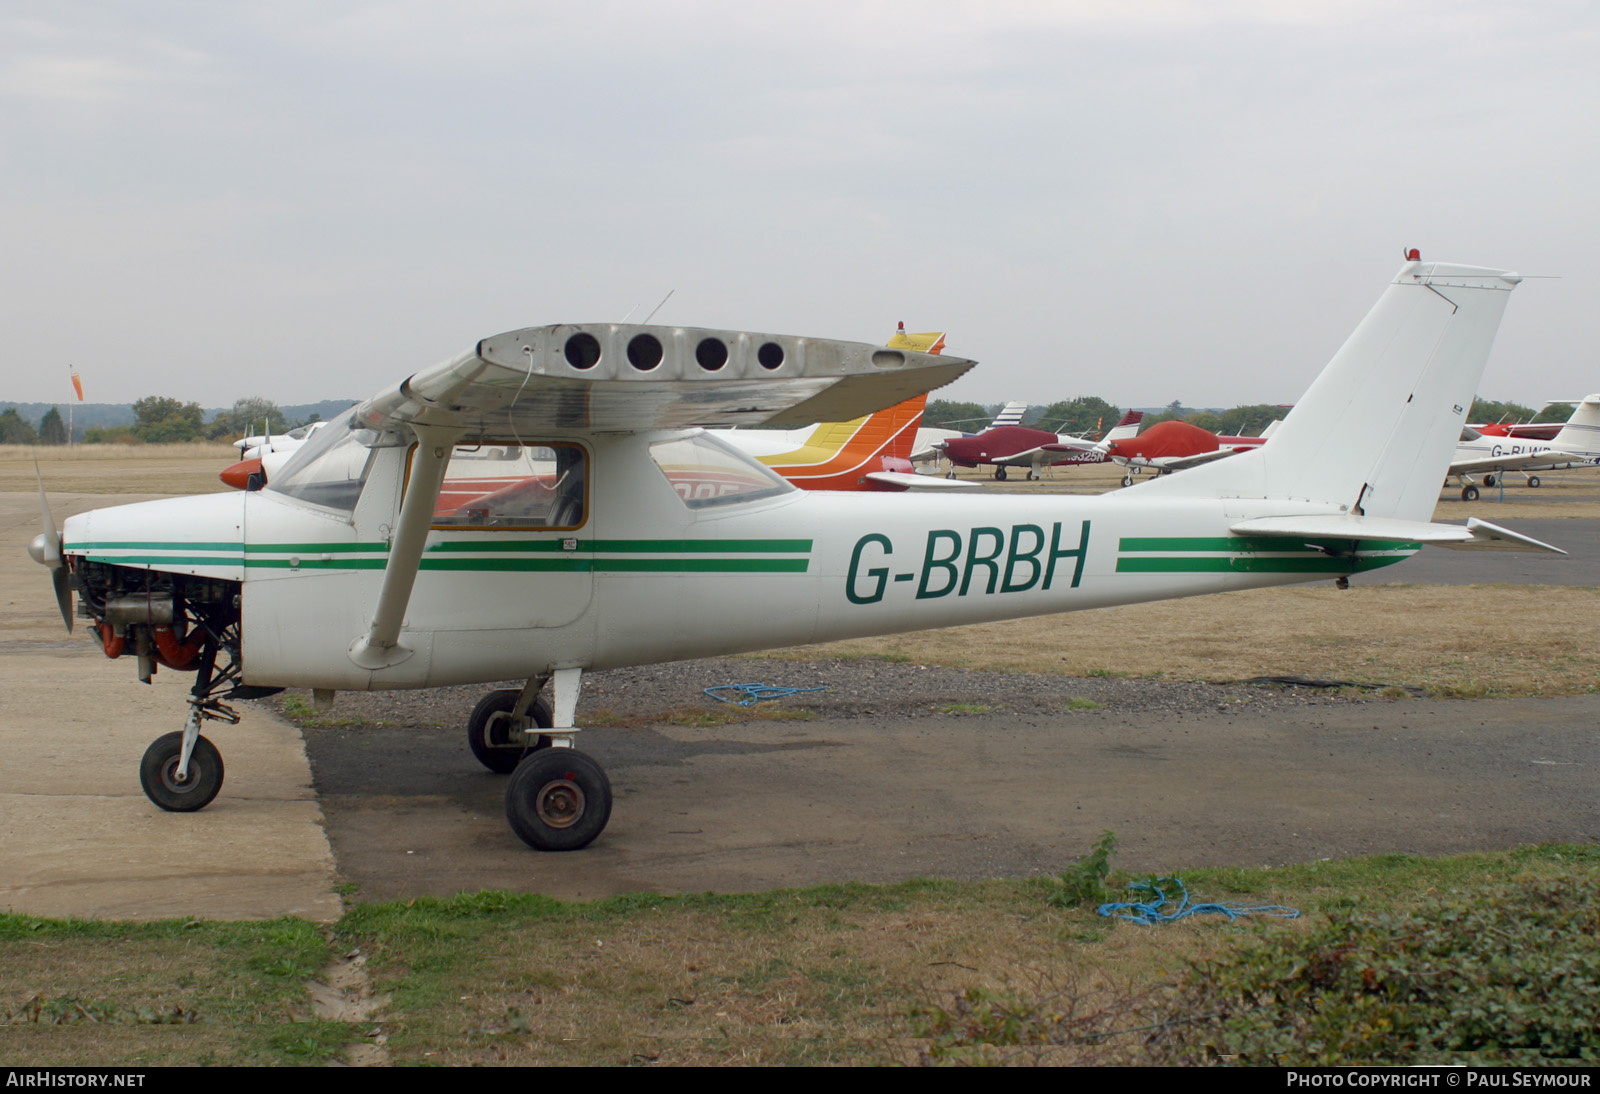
(1019, 446)
(1175, 445)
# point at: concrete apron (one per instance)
(77, 835)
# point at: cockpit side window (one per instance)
(705, 472)
(511, 487)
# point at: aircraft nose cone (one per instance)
(39, 551)
(238, 475)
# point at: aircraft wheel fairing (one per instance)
(159, 769)
(493, 742)
(558, 799)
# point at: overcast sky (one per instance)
(1140, 200)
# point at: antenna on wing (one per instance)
(659, 306)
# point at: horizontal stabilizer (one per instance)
(906, 480)
(1477, 535)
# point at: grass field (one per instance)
(1451, 641)
(852, 974)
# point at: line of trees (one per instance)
(158, 419)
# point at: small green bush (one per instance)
(1508, 974)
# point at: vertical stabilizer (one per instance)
(1376, 430)
(1010, 414)
(1582, 431)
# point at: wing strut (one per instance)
(380, 647)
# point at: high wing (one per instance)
(615, 378)
(1548, 459)
(611, 377)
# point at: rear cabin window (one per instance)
(514, 487)
(705, 472)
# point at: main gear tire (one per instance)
(558, 799)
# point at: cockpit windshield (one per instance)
(331, 467)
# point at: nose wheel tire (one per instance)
(558, 799)
(494, 742)
(158, 774)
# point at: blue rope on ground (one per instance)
(1151, 912)
(755, 693)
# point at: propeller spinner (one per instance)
(45, 549)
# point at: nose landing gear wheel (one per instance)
(495, 743)
(158, 774)
(558, 799)
(1127, 480)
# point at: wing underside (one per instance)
(619, 378)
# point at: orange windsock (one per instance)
(77, 385)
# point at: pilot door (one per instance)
(507, 548)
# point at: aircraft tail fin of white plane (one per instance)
(1375, 432)
(1582, 431)
(1010, 414)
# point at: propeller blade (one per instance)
(59, 576)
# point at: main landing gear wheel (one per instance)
(1533, 481)
(1000, 473)
(158, 774)
(1127, 480)
(558, 799)
(1488, 480)
(1469, 493)
(497, 745)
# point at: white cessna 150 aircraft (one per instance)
(546, 504)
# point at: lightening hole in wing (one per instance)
(644, 352)
(712, 353)
(583, 350)
(888, 358)
(770, 355)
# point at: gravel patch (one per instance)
(855, 688)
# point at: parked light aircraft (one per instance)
(1174, 446)
(931, 440)
(1019, 446)
(637, 538)
(1576, 444)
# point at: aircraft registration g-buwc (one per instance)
(549, 503)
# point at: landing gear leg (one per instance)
(182, 772)
(559, 799)
(503, 726)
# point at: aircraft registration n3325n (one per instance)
(550, 503)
